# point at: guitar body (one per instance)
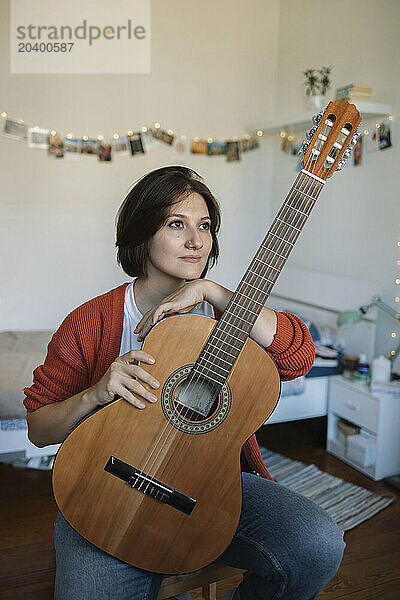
(199, 459)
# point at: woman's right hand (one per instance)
(122, 379)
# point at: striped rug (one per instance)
(348, 504)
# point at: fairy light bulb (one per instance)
(144, 129)
(157, 125)
(116, 136)
(391, 117)
(183, 137)
(170, 132)
(69, 136)
(283, 134)
(53, 132)
(393, 334)
(209, 140)
(393, 352)
(100, 138)
(85, 138)
(290, 138)
(366, 132)
(397, 281)
(20, 121)
(4, 114)
(260, 133)
(397, 299)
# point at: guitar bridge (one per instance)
(150, 486)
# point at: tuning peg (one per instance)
(340, 165)
(355, 138)
(310, 133)
(303, 148)
(316, 118)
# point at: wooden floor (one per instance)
(370, 569)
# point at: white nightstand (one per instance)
(378, 414)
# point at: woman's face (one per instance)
(185, 234)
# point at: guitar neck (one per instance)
(236, 322)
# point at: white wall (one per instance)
(213, 73)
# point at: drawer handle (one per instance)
(352, 406)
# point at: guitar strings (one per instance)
(277, 247)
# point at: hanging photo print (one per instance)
(121, 145)
(104, 152)
(56, 145)
(15, 129)
(199, 146)
(38, 138)
(216, 148)
(384, 136)
(232, 151)
(136, 143)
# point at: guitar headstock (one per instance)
(331, 140)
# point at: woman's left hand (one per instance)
(181, 300)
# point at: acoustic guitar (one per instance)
(161, 489)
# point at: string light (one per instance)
(393, 334)
(397, 281)
(391, 117)
(397, 299)
(366, 132)
(283, 134)
(144, 129)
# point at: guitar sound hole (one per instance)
(195, 400)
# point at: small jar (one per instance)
(362, 374)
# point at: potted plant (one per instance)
(317, 83)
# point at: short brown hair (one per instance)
(145, 210)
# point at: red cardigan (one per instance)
(89, 339)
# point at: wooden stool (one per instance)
(206, 578)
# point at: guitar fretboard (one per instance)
(226, 341)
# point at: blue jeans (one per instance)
(291, 545)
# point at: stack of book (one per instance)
(355, 92)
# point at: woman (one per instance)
(167, 240)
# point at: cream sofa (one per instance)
(20, 353)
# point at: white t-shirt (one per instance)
(132, 316)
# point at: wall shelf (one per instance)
(303, 121)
